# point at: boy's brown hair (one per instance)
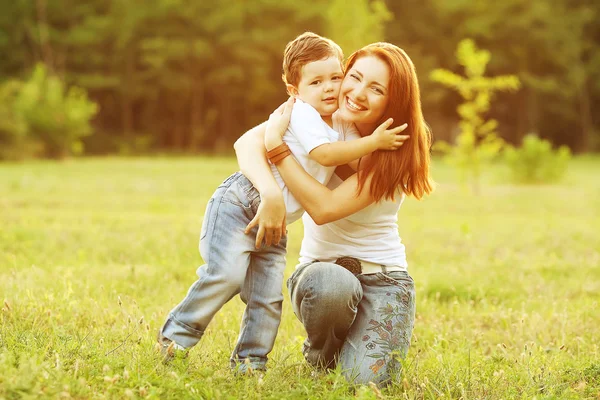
(306, 48)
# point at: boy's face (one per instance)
(319, 85)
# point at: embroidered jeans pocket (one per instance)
(400, 279)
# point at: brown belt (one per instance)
(358, 267)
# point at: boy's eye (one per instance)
(315, 82)
(336, 78)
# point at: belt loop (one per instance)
(384, 269)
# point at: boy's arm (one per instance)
(252, 159)
(340, 153)
(345, 152)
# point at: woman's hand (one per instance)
(270, 218)
(278, 124)
(389, 139)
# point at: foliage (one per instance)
(535, 161)
(477, 143)
(194, 75)
(94, 253)
(357, 23)
(552, 47)
(55, 115)
(13, 128)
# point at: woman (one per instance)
(360, 315)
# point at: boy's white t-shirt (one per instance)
(307, 131)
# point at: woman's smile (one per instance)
(353, 105)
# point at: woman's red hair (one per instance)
(405, 169)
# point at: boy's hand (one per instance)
(270, 218)
(389, 139)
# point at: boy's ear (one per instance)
(291, 89)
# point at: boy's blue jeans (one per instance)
(233, 265)
(362, 322)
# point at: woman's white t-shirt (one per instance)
(370, 234)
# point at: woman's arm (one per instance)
(322, 204)
(251, 157)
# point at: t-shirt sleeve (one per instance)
(346, 129)
(350, 132)
(307, 126)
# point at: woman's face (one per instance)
(364, 94)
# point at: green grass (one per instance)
(95, 252)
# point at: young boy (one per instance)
(313, 74)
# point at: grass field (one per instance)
(95, 252)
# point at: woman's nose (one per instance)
(359, 92)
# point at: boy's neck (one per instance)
(328, 120)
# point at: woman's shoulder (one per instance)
(337, 119)
(346, 128)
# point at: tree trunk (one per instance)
(42, 21)
(523, 116)
(585, 117)
(225, 115)
(196, 111)
(177, 122)
(127, 103)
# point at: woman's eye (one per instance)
(377, 90)
(354, 76)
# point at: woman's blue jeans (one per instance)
(362, 322)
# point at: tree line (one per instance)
(185, 75)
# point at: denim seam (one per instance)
(217, 204)
(214, 240)
(249, 189)
(235, 203)
(187, 300)
(211, 204)
(227, 182)
(185, 326)
(249, 301)
(383, 277)
(210, 246)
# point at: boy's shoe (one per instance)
(169, 349)
(249, 366)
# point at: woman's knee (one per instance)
(330, 285)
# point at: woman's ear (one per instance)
(292, 90)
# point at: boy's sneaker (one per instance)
(169, 349)
(249, 366)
